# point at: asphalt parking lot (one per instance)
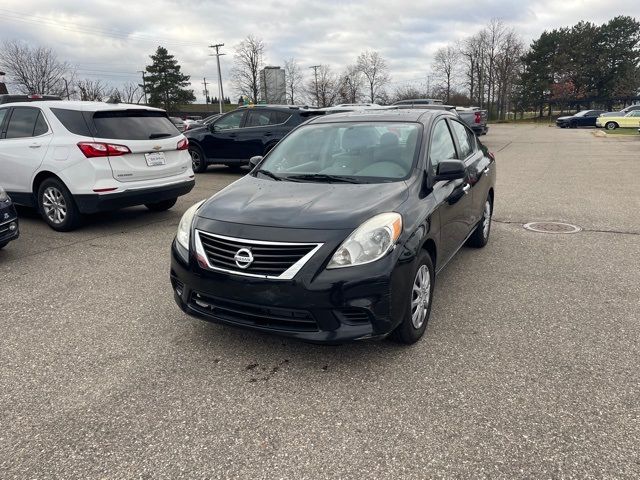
(530, 366)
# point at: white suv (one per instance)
(71, 158)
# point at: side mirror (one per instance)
(254, 161)
(450, 170)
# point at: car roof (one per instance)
(82, 106)
(399, 115)
(274, 106)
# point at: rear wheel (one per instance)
(56, 205)
(161, 206)
(611, 125)
(480, 236)
(419, 298)
(198, 162)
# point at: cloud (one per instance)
(112, 39)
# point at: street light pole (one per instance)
(144, 85)
(217, 55)
(315, 70)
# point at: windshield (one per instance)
(582, 113)
(366, 152)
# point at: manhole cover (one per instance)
(552, 227)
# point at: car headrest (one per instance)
(357, 138)
(389, 139)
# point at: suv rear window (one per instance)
(133, 125)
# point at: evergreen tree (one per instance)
(165, 83)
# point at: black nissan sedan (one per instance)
(585, 118)
(337, 234)
(8, 220)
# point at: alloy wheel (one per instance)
(54, 205)
(420, 296)
(486, 219)
(195, 159)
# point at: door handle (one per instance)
(232, 135)
(268, 134)
(35, 145)
(466, 188)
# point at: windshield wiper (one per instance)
(159, 135)
(269, 174)
(322, 177)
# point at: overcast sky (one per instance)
(112, 39)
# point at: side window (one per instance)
(22, 122)
(3, 114)
(442, 146)
(73, 120)
(279, 117)
(464, 141)
(41, 126)
(258, 118)
(232, 120)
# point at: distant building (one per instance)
(272, 87)
(3, 86)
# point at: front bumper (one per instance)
(9, 225)
(93, 203)
(317, 305)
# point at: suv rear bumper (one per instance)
(94, 203)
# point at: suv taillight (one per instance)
(183, 144)
(98, 149)
(478, 117)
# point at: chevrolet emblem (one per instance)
(157, 147)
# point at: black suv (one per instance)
(8, 220)
(235, 137)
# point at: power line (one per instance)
(34, 19)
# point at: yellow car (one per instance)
(630, 120)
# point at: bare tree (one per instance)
(248, 60)
(33, 69)
(351, 85)
(293, 80)
(92, 90)
(328, 86)
(131, 93)
(445, 66)
(374, 68)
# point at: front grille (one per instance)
(270, 259)
(253, 315)
(4, 228)
(353, 315)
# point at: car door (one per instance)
(23, 145)
(222, 140)
(631, 119)
(452, 197)
(477, 170)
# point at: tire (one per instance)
(480, 236)
(611, 125)
(161, 206)
(419, 297)
(198, 161)
(57, 206)
(573, 125)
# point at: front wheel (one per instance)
(480, 236)
(611, 125)
(56, 206)
(161, 206)
(419, 299)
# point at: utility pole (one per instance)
(315, 71)
(144, 85)
(217, 55)
(206, 91)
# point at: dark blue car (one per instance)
(8, 220)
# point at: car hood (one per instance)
(565, 118)
(256, 201)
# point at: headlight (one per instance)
(184, 227)
(3, 195)
(369, 242)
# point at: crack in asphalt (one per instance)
(591, 230)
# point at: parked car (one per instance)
(585, 118)
(475, 118)
(178, 123)
(71, 158)
(9, 227)
(337, 234)
(623, 112)
(628, 120)
(235, 137)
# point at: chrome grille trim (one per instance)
(286, 275)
